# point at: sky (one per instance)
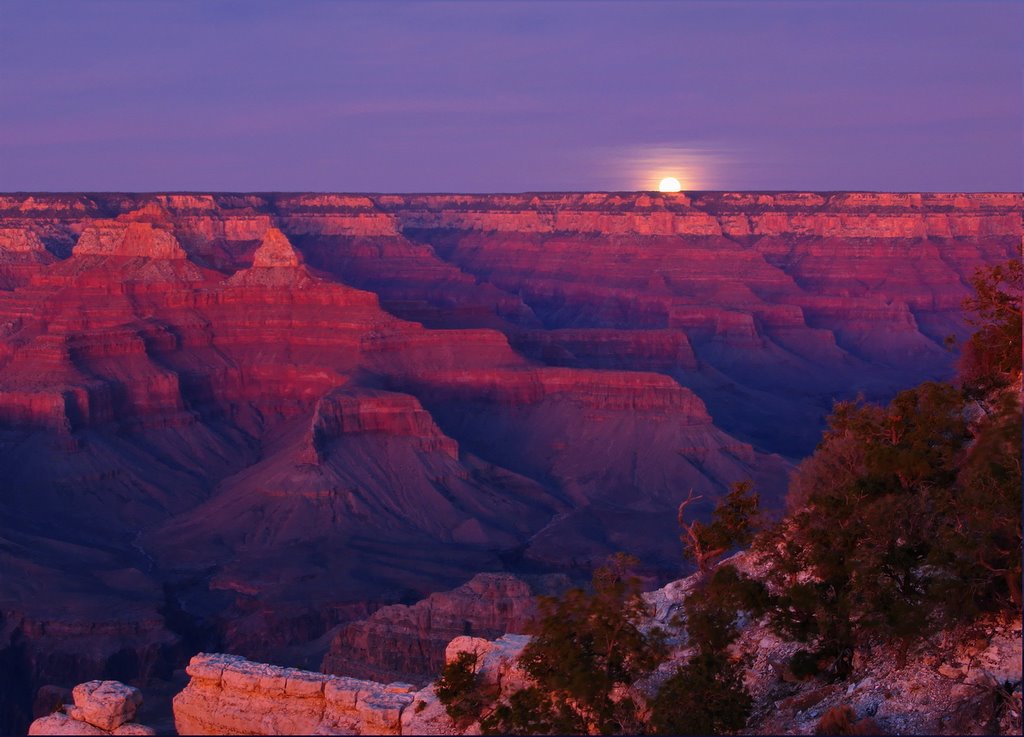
(492, 96)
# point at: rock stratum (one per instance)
(237, 421)
(227, 694)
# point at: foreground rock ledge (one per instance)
(100, 708)
(231, 695)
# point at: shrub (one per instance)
(842, 720)
(704, 696)
(707, 694)
(908, 512)
(533, 711)
(585, 645)
(992, 355)
(461, 690)
(733, 523)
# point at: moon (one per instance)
(669, 184)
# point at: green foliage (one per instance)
(733, 521)
(705, 696)
(993, 353)
(585, 645)
(461, 691)
(713, 607)
(533, 711)
(910, 512)
(979, 545)
(733, 524)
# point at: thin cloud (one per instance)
(695, 165)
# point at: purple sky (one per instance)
(510, 96)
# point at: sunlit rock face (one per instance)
(237, 421)
(100, 708)
(227, 694)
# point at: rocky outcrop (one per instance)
(409, 642)
(105, 704)
(230, 695)
(275, 251)
(227, 694)
(134, 239)
(963, 680)
(344, 412)
(966, 679)
(946, 683)
(22, 255)
(100, 708)
(21, 242)
(496, 661)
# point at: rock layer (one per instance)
(230, 695)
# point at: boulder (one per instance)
(105, 704)
(100, 708)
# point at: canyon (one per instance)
(246, 422)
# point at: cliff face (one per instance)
(408, 643)
(234, 415)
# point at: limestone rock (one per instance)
(60, 723)
(276, 251)
(950, 671)
(132, 728)
(228, 694)
(132, 239)
(497, 660)
(20, 241)
(105, 704)
(426, 715)
(100, 708)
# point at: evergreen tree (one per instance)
(910, 511)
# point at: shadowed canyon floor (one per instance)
(234, 422)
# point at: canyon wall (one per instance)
(237, 421)
(408, 643)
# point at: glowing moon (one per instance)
(669, 184)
